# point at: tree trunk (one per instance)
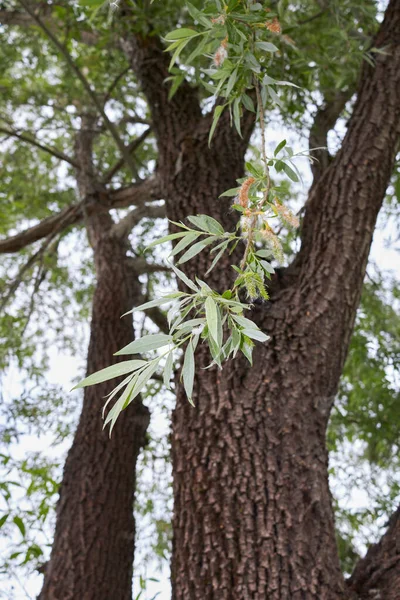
(253, 515)
(93, 549)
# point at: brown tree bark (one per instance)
(253, 514)
(93, 549)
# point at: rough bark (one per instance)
(253, 513)
(377, 576)
(93, 549)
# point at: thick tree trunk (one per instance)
(253, 514)
(93, 549)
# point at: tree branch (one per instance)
(136, 194)
(123, 228)
(68, 216)
(340, 216)
(377, 575)
(325, 120)
(150, 64)
(36, 256)
(140, 266)
(92, 95)
(50, 150)
(134, 145)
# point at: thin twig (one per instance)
(64, 51)
(134, 145)
(32, 260)
(53, 151)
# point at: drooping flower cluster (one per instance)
(274, 26)
(244, 192)
(221, 54)
(273, 242)
(286, 215)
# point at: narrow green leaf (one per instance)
(247, 349)
(207, 224)
(267, 267)
(116, 390)
(267, 46)
(214, 323)
(185, 279)
(3, 520)
(217, 114)
(255, 334)
(156, 302)
(131, 392)
(252, 62)
(290, 173)
(166, 238)
(197, 15)
(20, 524)
(146, 343)
(188, 372)
(186, 241)
(236, 115)
(178, 51)
(231, 82)
(243, 322)
(275, 97)
(217, 258)
(231, 192)
(248, 103)
(111, 372)
(279, 147)
(181, 33)
(264, 253)
(196, 249)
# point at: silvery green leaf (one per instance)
(231, 192)
(217, 258)
(115, 391)
(153, 303)
(255, 334)
(217, 114)
(214, 323)
(243, 322)
(167, 238)
(247, 350)
(132, 391)
(188, 372)
(207, 224)
(196, 249)
(181, 33)
(264, 253)
(146, 343)
(190, 237)
(268, 268)
(111, 372)
(185, 279)
(267, 46)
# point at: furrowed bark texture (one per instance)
(93, 549)
(377, 576)
(253, 513)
